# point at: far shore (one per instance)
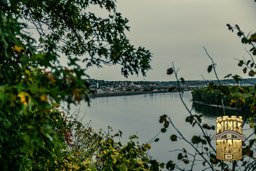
(128, 93)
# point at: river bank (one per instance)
(217, 106)
(128, 93)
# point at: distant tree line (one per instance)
(239, 98)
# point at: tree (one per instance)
(71, 29)
(35, 133)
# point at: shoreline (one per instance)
(130, 93)
(217, 106)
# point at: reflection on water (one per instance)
(214, 112)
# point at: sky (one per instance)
(177, 30)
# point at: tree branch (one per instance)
(190, 143)
(216, 75)
(178, 83)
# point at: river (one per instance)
(139, 114)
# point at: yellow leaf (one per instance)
(31, 80)
(27, 72)
(77, 94)
(232, 103)
(242, 101)
(18, 48)
(23, 96)
(43, 97)
(253, 37)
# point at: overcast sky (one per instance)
(176, 31)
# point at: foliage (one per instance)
(89, 150)
(30, 125)
(239, 97)
(34, 132)
(76, 31)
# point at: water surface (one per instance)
(139, 114)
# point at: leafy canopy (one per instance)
(75, 31)
(34, 132)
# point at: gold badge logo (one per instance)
(229, 138)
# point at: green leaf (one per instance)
(245, 69)
(180, 156)
(163, 130)
(182, 80)
(213, 161)
(239, 33)
(230, 27)
(237, 78)
(161, 165)
(237, 27)
(170, 71)
(224, 89)
(173, 137)
(209, 69)
(198, 117)
(244, 40)
(170, 165)
(253, 37)
(203, 142)
(156, 140)
(189, 119)
(251, 125)
(133, 137)
(186, 161)
(248, 62)
(251, 73)
(162, 118)
(195, 139)
(241, 90)
(206, 148)
(227, 76)
(241, 62)
(166, 124)
(206, 126)
(211, 85)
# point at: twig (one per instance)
(249, 136)
(176, 76)
(216, 75)
(249, 55)
(190, 144)
(250, 166)
(233, 165)
(213, 65)
(150, 141)
(204, 78)
(193, 161)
